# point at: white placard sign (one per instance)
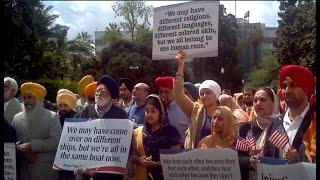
(191, 26)
(297, 171)
(202, 164)
(102, 145)
(9, 164)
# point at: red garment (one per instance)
(166, 82)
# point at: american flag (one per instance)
(251, 140)
(279, 138)
(242, 144)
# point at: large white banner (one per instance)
(102, 145)
(204, 164)
(297, 171)
(191, 26)
(9, 164)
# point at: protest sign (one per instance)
(295, 171)
(101, 145)
(10, 168)
(214, 163)
(191, 26)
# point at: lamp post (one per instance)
(222, 80)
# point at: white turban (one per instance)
(212, 85)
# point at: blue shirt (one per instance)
(178, 119)
(136, 114)
(206, 128)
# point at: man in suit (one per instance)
(297, 84)
(38, 131)
(12, 106)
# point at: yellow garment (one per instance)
(226, 139)
(192, 109)
(90, 89)
(65, 91)
(35, 89)
(83, 83)
(140, 172)
(68, 99)
(310, 142)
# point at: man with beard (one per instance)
(139, 95)
(126, 87)
(248, 94)
(66, 102)
(38, 131)
(297, 84)
(104, 108)
(174, 115)
(12, 106)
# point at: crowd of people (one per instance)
(181, 116)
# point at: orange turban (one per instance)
(90, 89)
(35, 89)
(67, 98)
(83, 83)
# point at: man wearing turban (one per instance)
(126, 87)
(81, 87)
(38, 131)
(173, 113)
(107, 89)
(89, 92)
(66, 102)
(12, 106)
(297, 84)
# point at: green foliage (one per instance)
(113, 33)
(266, 74)
(132, 11)
(52, 86)
(296, 35)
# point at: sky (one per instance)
(91, 16)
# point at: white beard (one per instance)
(33, 113)
(102, 101)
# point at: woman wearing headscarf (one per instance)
(239, 99)
(229, 101)
(149, 138)
(200, 112)
(265, 110)
(222, 130)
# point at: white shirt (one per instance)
(5, 105)
(292, 125)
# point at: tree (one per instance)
(84, 36)
(112, 33)
(265, 75)
(296, 35)
(132, 11)
(27, 31)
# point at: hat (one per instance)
(191, 89)
(83, 83)
(166, 82)
(65, 91)
(67, 98)
(90, 89)
(35, 89)
(301, 75)
(111, 84)
(127, 82)
(212, 85)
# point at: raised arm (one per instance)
(181, 99)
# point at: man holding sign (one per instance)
(107, 90)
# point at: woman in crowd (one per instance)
(222, 130)
(239, 99)
(240, 115)
(149, 138)
(265, 110)
(201, 112)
